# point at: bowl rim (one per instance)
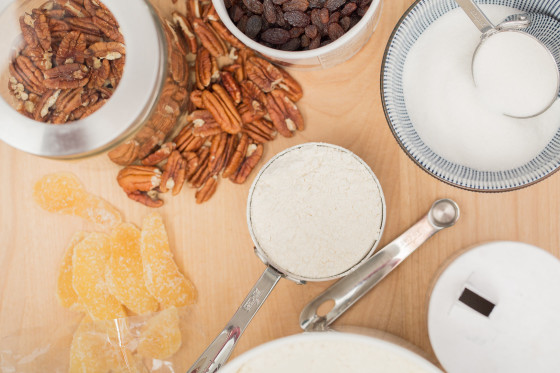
(401, 145)
(389, 346)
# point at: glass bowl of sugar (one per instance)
(439, 116)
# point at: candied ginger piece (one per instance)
(63, 193)
(162, 277)
(160, 338)
(96, 348)
(90, 258)
(124, 274)
(64, 290)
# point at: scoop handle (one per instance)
(219, 351)
(476, 15)
(347, 291)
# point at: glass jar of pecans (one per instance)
(78, 77)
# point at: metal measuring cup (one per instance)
(443, 214)
(218, 352)
(543, 29)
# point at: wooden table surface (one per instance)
(211, 242)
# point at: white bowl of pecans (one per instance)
(302, 34)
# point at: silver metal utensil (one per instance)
(221, 348)
(443, 214)
(542, 28)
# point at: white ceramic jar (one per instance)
(324, 57)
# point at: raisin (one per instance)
(316, 3)
(348, 9)
(242, 24)
(345, 23)
(296, 32)
(236, 13)
(297, 18)
(315, 43)
(291, 45)
(334, 18)
(254, 24)
(254, 6)
(280, 21)
(269, 11)
(291, 5)
(280, 2)
(324, 16)
(354, 20)
(335, 31)
(311, 31)
(305, 41)
(276, 36)
(332, 5)
(361, 11)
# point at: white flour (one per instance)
(515, 74)
(447, 111)
(316, 211)
(330, 356)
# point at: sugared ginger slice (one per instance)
(64, 289)
(161, 336)
(161, 275)
(89, 261)
(63, 193)
(125, 272)
(96, 348)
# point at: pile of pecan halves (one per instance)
(69, 62)
(238, 101)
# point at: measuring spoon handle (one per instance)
(347, 291)
(476, 15)
(221, 348)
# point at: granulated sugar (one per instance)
(316, 211)
(447, 111)
(515, 74)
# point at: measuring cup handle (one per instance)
(476, 15)
(221, 348)
(347, 291)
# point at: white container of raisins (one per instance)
(325, 56)
(119, 107)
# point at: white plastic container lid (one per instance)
(129, 106)
(496, 308)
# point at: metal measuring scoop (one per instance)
(218, 352)
(444, 213)
(543, 29)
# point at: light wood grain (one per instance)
(211, 242)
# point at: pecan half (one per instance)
(231, 86)
(174, 174)
(108, 50)
(67, 102)
(100, 70)
(253, 96)
(204, 124)
(260, 130)
(160, 155)
(40, 58)
(27, 26)
(139, 178)
(72, 8)
(187, 31)
(72, 48)
(203, 172)
(223, 109)
(236, 159)
(109, 30)
(196, 98)
(149, 199)
(25, 72)
(284, 113)
(209, 38)
(192, 163)
(223, 32)
(84, 25)
(206, 69)
(207, 190)
(290, 86)
(217, 152)
(264, 74)
(125, 154)
(42, 31)
(186, 141)
(68, 76)
(45, 104)
(253, 156)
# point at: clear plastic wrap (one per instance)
(121, 345)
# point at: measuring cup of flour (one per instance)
(315, 212)
(516, 66)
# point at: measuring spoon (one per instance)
(444, 213)
(221, 348)
(499, 70)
